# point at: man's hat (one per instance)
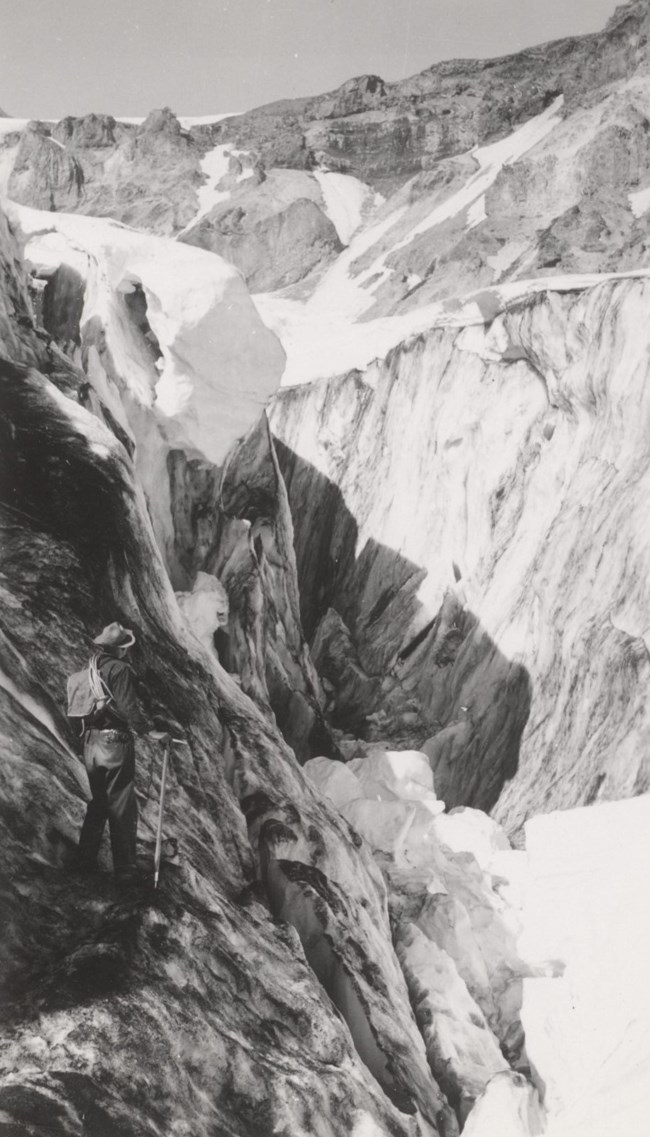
(114, 635)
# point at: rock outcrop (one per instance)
(275, 233)
(386, 133)
(97, 166)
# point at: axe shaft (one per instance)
(161, 809)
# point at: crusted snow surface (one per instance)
(323, 339)
(347, 201)
(219, 365)
(587, 915)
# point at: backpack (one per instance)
(87, 693)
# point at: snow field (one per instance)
(321, 342)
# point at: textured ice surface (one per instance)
(579, 899)
(219, 364)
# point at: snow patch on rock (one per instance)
(216, 165)
(491, 160)
(348, 201)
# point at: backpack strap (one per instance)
(99, 689)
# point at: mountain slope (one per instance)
(433, 536)
(188, 979)
(160, 176)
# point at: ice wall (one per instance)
(478, 500)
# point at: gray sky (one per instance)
(125, 57)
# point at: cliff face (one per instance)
(385, 133)
(95, 165)
(133, 1008)
(250, 186)
(477, 499)
(179, 367)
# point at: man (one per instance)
(109, 755)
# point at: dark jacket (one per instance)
(124, 711)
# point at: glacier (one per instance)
(341, 403)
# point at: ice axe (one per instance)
(163, 736)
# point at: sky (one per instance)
(125, 57)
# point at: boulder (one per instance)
(275, 233)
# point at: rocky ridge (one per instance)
(385, 133)
(412, 141)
